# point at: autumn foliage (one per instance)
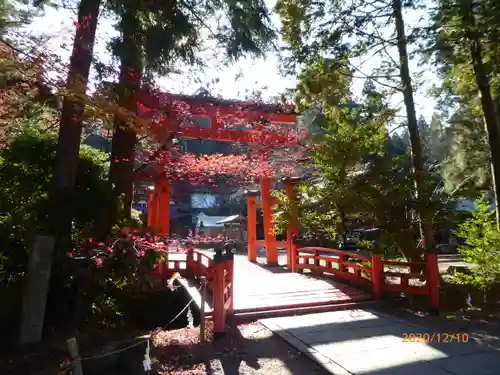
(262, 143)
(22, 87)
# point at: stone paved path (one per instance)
(371, 343)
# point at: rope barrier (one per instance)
(145, 341)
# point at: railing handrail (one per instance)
(334, 251)
(201, 254)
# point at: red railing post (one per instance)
(342, 267)
(377, 276)
(433, 282)
(203, 296)
(229, 265)
(293, 227)
(293, 252)
(190, 269)
(218, 296)
(316, 263)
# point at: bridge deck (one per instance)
(269, 288)
(263, 291)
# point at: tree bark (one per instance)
(70, 129)
(424, 222)
(482, 75)
(68, 148)
(403, 237)
(124, 137)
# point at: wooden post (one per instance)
(293, 253)
(433, 281)
(377, 276)
(267, 213)
(36, 289)
(189, 261)
(229, 264)
(316, 263)
(218, 296)
(76, 360)
(292, 229)
(163, 192)
(341, 259)
(203, 294)
(252, 227)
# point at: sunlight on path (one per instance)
(258, 287)
(371, 343)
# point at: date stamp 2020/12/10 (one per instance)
(437, 337)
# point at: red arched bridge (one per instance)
(310, 278)
(319, 279)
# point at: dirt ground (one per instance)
(251, 349)
(248, 349)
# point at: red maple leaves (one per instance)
(171, 117)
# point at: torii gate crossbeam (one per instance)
(215, 113)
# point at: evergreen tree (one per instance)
(350, 29)
(157, 35)
(465, 50)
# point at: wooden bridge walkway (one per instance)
(273, 290)
(264, 291)
(324, 280)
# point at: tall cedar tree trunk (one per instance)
(483, 84)
(68, 145)
(425, 226)
(70, 130)
(124, 137)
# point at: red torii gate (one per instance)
(219, 114)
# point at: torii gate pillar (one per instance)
(162, 190)
(252, 227)
(267, 213)
(153, 210)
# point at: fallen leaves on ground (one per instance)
(247, 349)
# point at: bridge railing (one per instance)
(223, 291)
(200, 264)
(352, 267)
(399, 277)
(172, 262)
(372, 272)
(218, 269)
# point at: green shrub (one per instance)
(482, 247)
(25, 179)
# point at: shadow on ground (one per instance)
(247, 349)
(372, 343)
